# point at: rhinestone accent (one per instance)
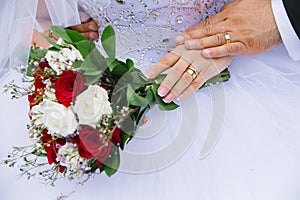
(145, 28)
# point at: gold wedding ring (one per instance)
(227, 38)
(192, 71)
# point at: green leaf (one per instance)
(134, 99)
(112, 163)
(222, 77)
(93, 166)
(38, 153)
(93, 66)
(120, 69)
(77, 64)
(125, 137)
(75, 36)
(112, 63)
(158, 80)
(55, 45)
(91, 79)
(168, 106)
(150, 97)
(129, 64)
(108, 40)
(161, 104)
(30, 70)
(36, 54)
(85, 47)
(60, 32)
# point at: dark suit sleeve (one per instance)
(292, 8)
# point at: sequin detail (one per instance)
(145, 29)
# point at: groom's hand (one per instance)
(250, 25)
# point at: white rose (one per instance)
(91, 104)
(55, 117)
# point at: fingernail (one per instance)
(169, 98)
(206, 53)
(191, 44)
(179, 39)
(162, 91)
(150, 74)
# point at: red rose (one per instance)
(68, 86)
(116, 137)
(51, 146)
(91, 144)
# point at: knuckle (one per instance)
(177, 70)
(186, 78)
(192, 34)
(167, 83)
(220, 39)
(230, 49)
(224, 7)
(202, 43)
(207, 28)
(197, 84)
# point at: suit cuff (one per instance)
(287, 32)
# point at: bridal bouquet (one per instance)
(84, 107)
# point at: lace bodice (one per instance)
(145, 29)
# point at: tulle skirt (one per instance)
(254, 117)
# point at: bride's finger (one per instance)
(184, 81)
(163, 64)
(210, 41)
(202, 77)
(212, 69)
(192, 88)
(173, 76)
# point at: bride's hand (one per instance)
(88, 29)
(189, 70)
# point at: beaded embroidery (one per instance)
(145, 29)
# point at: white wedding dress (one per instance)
(252, 121)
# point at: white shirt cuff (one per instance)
(287, 32)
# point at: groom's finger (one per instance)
(210, 41)
(208, 27)
(224, 50)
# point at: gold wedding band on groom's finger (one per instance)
(192, 71)
(227, 38)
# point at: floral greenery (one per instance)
(130, 95)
